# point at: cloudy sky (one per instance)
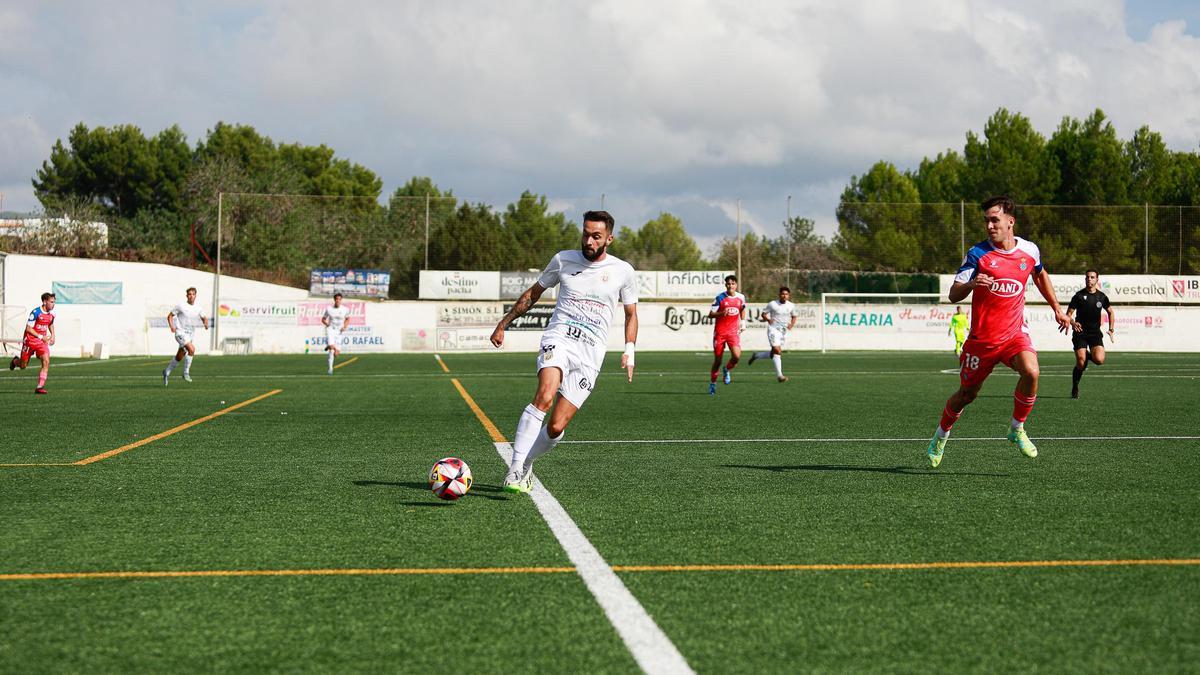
(680, 106)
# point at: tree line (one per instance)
(158, 195)
(1070, 189)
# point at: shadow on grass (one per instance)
(898, 470)
(480, 490)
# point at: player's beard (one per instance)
(595, 254)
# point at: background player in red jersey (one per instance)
(995, 273)
(39, 336)
(729, 309)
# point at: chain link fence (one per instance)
(878, 248)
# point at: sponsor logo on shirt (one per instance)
(1007, 288)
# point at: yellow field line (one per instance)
(345, 363)
(401, 571)
(441, 363)
(169, 432)
(286, 573)
(855, 567)
(483, 418)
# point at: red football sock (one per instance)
(713, 376)
(949, 417)
(41, 380)
(1021, 406)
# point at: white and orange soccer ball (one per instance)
(450, 478)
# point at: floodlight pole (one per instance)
(216, 299)
(739, 241)
(426, 231)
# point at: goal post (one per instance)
(12, 326)
(873, 299)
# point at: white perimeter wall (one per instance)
(278, 319)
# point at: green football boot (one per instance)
(1020, 441)
(937, 446)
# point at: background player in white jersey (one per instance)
(182, 320)
(780, 316)
(336, 318)
(591, 284)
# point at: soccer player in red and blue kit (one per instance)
(729, 309)
(995, 273)
(39, 336)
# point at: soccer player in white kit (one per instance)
(336, 318)
(591, 284)
(780, 316)
(182, 320)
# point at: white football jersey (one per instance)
(588, 295)
(187, 317)
(337, 316)
(781, 313)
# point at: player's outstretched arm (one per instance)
(631, 333)
(527, 300)
(1042, 281)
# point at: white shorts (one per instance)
(183, 339)
(578, 375)
(776, 336)
(334, 338)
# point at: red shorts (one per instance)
(31, 348)
(979, 358)
(721, 339)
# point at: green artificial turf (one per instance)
(827, 469)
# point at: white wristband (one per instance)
(629, 347)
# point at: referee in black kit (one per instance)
(1087, 338)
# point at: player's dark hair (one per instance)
(191, 289)
(337, 295)
(1092, 270)
(1005, 203)
(47, 296)
(731, 276)
(600, 217)
(784, 288)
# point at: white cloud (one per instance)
(658, 104)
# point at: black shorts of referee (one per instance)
(1087, 339)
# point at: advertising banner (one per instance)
(1120, 288)
(458, 285)
(474, 314)
(513, 284)
(311, 313)
(87, 292)
(690, 285)
(360, 283)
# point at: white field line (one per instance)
(922, 439)
(650, 647)
(119, 359)
(800, 375)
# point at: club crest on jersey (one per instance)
(1099, 305)
(604, 278)
(994, 264)
(1023, 265)
(1007, 288)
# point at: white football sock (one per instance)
(778, 361)
(527, 432)
(941, 433)
(541, 446)
(171, 366)
(761, 355)
(187, 364)
(331, 359)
